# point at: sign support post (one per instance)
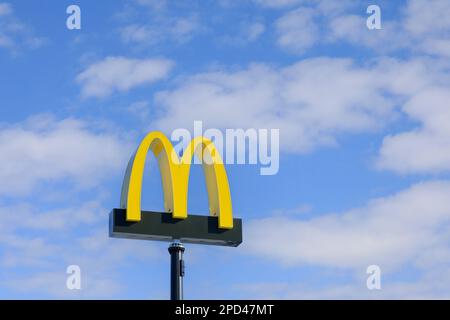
(176, 250)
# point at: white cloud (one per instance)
(419, 27)
(22, 250)
(140, 34)
(427, 26)
(53, 284)
(5, 9)
(49, 247)
(430, 285)
(427, 148)
(247, 33)
(297, 30)
(14, 34)
(99, 257)
(153, 4)
(119, 74)
(26, 216)
(307, 25)
(316, 100)
(45, 236)
(279, 3)
(179, 30)
(255, 30)
(330, 22)
(311, 102)
(440, 47)
(426, 17)
(328, 6)
(416, 85)
(390, 232)
(183, 28)
(352, 29)
(43, 149)
(140, 109)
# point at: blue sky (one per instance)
(364, 139)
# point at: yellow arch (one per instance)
(175, 178)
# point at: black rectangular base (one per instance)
(161, 226)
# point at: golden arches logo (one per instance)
(175, 178)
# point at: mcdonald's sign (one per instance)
(130, 221)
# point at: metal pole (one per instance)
(176, 250)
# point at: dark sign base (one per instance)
(161, 226)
